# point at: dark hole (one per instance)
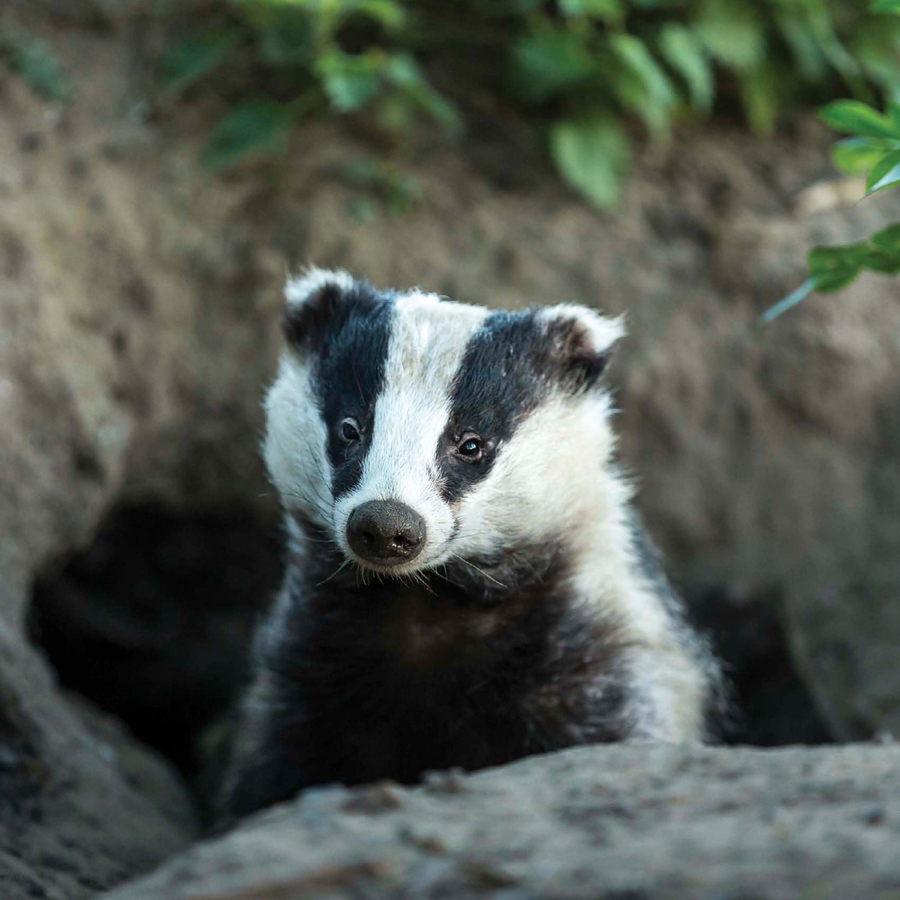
(152, 622)
(773, 706)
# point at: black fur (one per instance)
(509, 366)
(349, 330)
(471, 668)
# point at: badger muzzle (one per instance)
(385, 532)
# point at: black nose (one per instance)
(386, 532)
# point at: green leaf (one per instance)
(885, 173)
(609, 11)
(391, 16)
(684, 53)
(328, 14)
(493, 9)
(548, 62)
(886, 6)
(634, 53)
(258, 125)
(805, 49)
(284, 30)
(196, 55)
(645, 87)
(833, 268)
(888, 239)
(591, 155)
(33, 59)
(884, 256)
(632, 94)
(883, 263)
(821, 20)
(350, 81)
(858, 154)
(761, 92)
(287, 39)
(854, 117)
(732, 32)
(403, 71)
(893, 114)
(874, 43)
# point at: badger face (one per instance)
(413, 431)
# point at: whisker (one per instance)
(340, 568)
(320, 501)
(489, 577)
(419, 578)
(323, 510)
(446, 577)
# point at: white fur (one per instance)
(602, 330)
(299, 290)
(428, 340)
(296, 444)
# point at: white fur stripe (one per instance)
(428, 341)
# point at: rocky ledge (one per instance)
(626, 822)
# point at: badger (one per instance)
(466, 581)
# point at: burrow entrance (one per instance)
(152, 623)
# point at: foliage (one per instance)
(586, 69)
(254, 125)
(302, 39)
(659, 60)
(397, 192)
(32, 58)
(873, 148)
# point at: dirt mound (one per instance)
(599, 823)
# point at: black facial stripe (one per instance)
(502, 377)
(349, 374)
(510, 365)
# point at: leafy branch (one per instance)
(586, 71)
(872, 148)
(301, 40)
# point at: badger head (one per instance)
(413, 431)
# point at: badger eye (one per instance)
(349, 431)
(470, 448)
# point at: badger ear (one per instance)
(312, 299)
(582, 341)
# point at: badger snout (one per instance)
(386, 532)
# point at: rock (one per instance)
(82, 805)
(600, 823)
